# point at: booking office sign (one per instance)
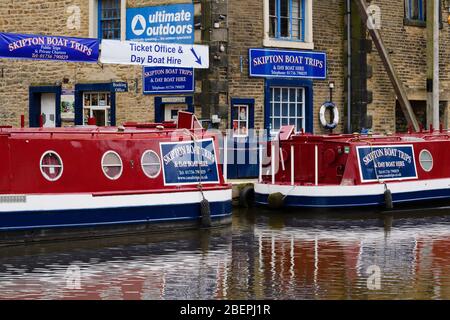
(189, 162)
(384, 163)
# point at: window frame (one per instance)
(159, 163)
(239, 121)
(60, 166)
(272, 102)
(307, 38)
(121, 165)
(408, 21)
(98, 107)
(94, 19)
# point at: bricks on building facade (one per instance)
(230, 28)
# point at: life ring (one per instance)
(332, 125)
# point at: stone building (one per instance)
(226, 94)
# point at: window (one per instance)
(112, 165)
(97, 105)
(51, 166)
(426, 160)
(287, 107)
(151, 164)
(240, 120)
(287, 19)
(416, 10)
(109, 14)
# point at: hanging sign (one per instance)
(119, 87)
(287, 64)
(171, 24)
(155, 54)
(189, 162)
(38, 47)
(160, 80)
(390, 162)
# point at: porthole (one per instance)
(51, 166)
(112, 165)
(151, 164)
(426, 160)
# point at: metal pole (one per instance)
(349, 67)
(225, 158)
(273, 163)
(316, 165)
(292, 164)
(436, 121)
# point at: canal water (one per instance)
(263, 255)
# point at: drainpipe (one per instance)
(349, 66)
(436, 8)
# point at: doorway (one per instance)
(44, 106)
(166, 108)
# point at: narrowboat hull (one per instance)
(354, 196)
(28, 218)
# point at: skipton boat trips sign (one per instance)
(390, 162)
(155, 54)
(268, 63)
(189, 162)
(171, 24)
(39, 47)
(168, 80)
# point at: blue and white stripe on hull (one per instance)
(86, 210)
(350, 196)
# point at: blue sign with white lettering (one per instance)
(268, 63)
(169, 24)
(381, 163)
(159, 80)
(38, 47)
(189, 162)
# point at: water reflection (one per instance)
(264, 255)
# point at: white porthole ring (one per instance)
(332, 125)
(143, 164)
(423, 161)
(61, 165)
(103, 166)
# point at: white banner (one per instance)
(155, 54)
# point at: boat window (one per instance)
(426, 160)
(51, 166)
(112, 165)
(151, 164)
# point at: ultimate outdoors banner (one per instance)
(39, 47)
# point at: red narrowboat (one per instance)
(342, 171)
(92, 181)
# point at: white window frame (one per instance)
(93, 19)
(106, 108)
(103, 166)
(307, 44)
(426, 161)
(274, 132)
(148, 164)
(60, 166)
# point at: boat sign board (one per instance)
(170, 24)
(384, 163)
(189, 162)
(157, 80)
(56, 48)
(268, 63)
(155, 54)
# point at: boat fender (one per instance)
(247, 196)
(389, 204)
(323, 121)
(205, 211)
(275, 200)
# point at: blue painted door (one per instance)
(242, 143)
